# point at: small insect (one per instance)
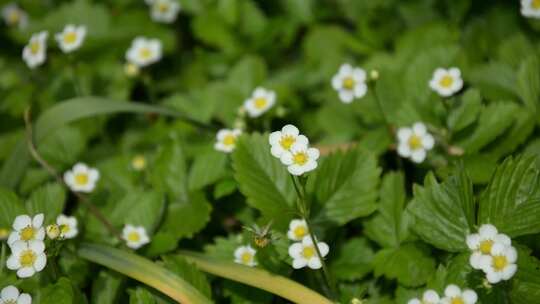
(261, 236)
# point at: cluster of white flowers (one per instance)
(452, 295)
(226, 140)
(492, 252)
(13, 15)
(245, 255)
(11, 295)
(144, 52)
(414, 142)
(293, 150)
(27, 246)
(446, 82)
(530, 8)
(81, 178)
(135, 236)
(261, 101)
(303, 252)
(350, 83)
(164, 11)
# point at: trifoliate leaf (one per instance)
(353, 261)
(185, 218)
(49, 200)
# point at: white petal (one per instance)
(404, 150)
(25, 272)
(10, 293)
(286, 158)
(485, 262)
(509, 271)
(346, 96)
(428, 142)
(360, 90)
(295, 250)
(314, 263)
(323, 248)
(295, 170)
(22, 221)
(274, 138)
(18, 246)
(13, 263)
(419, 129)
(277, 150)
(497, 249)
(37, 221)
(455, 73)
(487, 231)
(299, 263)
(414, 301)
(80, 168)
(511, 254)
(473, 241)
(24, 299)
(41, 262)
(452, 291)
(404, 134)
(303, 140)
(476, 260)
(313, 153)
(337, 82)
(359, 75)
(13, 237)
(418, 156)
(431, 296)
(290, 130)
(470, 296)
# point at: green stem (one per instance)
(3, 258)
(379, 106)
(74, 79)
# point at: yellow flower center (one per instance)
(81, 179)
(163, 7)
(27, 258)
(145, 53)
(535, 4)
(134, 236)
(300, 232)
(348, 83)
(308, 252)
(13, 17)
(500, 262)
(300, 158)
(229, 140)
(260, 102)
(10, 301)
(27, 233)
(246, 257)
(485, 246)
(287, 141)
(64, 229)
(35, 46)
(415, 142)
(457, 300)
(446, 81)
(138, 162)
(70, 38)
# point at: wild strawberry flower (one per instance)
(138, 163)
(414, 142)
(530, 8)
(71, 38)
(144, 51)
(27, 258)
(53, 231)
(298, 229)
(260, 101)
(164, 11)
(35, 52)
(350, 83)
(300, 159)
(245, 255)
(429, 297)
(26, 228)
(481, 243)
(67, 225)
(454, 295)
(282, 141)
(226, 140)
(13, 15)
(11, 295)
(500, 264)
(135, 236)
(81, 178)
(304, 253)
(446, 82)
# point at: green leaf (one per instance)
(354, 260)
(189, 272)
(49, 200)
(10, 207)
(207, 169)
(162, 242)
(138, 207)
(345, 186)
(195, 214)
(247, 74)
(106, 287)
(169, 173)
(59, 293)
(263, 179)
(511, 201)
(63, 148)
(409, 264)
(390, 227)
(465, 114)
(444, 212)
(141, 296)
(528, 83)
(458, 270)
(526, 283)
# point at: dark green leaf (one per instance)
(354, 260)
(207, 169)
(169, 173)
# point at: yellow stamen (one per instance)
(229, 140)
(485, 246)
(415, 142)
(457, 300)
(308, 252)
(287, 141)
(300, 158)
(535, 4)
(70, 37)
(446, 81)
(246, 257)
(64, 229)
(260, 102)
(28, 233)
(134, 236)
(27, 258)
(138, 162)
(500, 262)
(348, 83)
(35, 46)
(300, 232)
(14, 17)
(81, 179)
(145, 53)
(163, 7)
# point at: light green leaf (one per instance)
(63, 147)
(444, 212)
(194, 214)
(138, 207)
(207, 169)
(10, 207)
(354, 260)
(465, 114)
(169, 173)
(511, 201)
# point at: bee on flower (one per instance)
(413, 143)
(71, 38)
(27, 258)
(26, 229)
(446, 82)
(13, 15)
(304, 253)
(226, 140)
(282, 141)
(530, 8)
(81, 178)
(453, 294)
(260, 102)
(429, 297)
(245, 255)
(262, 236)
(298, 229)
(350, 83)
(482, 242)
(35, 52)
(164, 11)
(11, 295)
(144, 51)
(67, 226)
(135, 236)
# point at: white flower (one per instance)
(304, 253)
(260, 101)
(530, 8)
(350, 83)
(500, 265)
(27, 258)
(67, 226)
(35, 52)
(226, 140)
(482, 242)
(429, 297)
(27, 229)
(14, 16)
(446, 82)
(81, 178)
(414, 142)
(71, 38)
(298, 229)
(300, 159)
(245, 255)
(454, 295)
(164, 11)
(144, 52)
(11, 295)
(135, 236)
(282, 141)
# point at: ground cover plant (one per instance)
(290, 151)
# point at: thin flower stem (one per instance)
(35, 154)
(74, 79)
(3, 258)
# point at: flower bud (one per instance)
(53, 231)
(131, 69)
(374, 74)
(138, 162)
(4, 233)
